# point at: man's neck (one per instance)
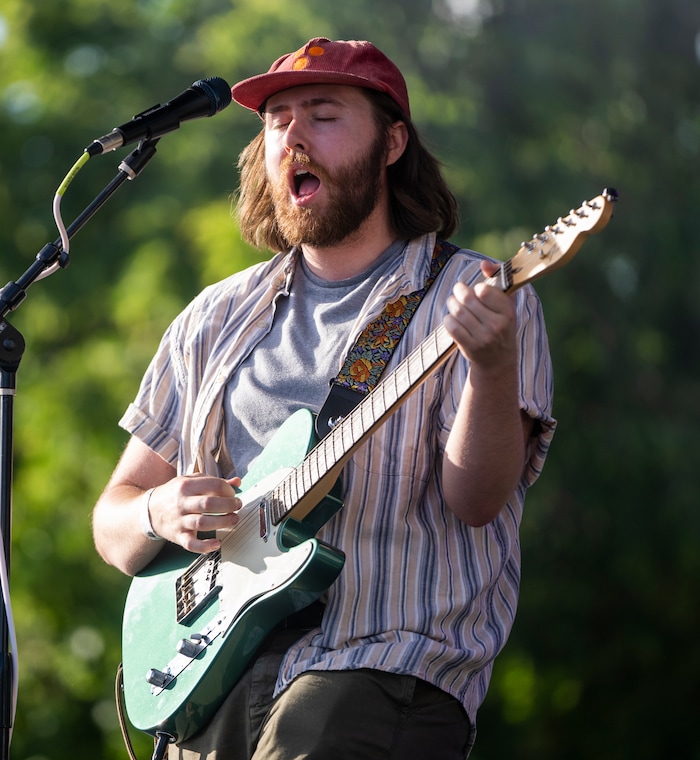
(353, 255)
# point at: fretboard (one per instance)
(325, 460)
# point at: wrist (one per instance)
(145, 517)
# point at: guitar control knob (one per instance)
(191, 647)
(157, 677)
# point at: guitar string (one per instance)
(330, 450)
(325, 455)
(340, 435)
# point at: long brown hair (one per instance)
(420, 200)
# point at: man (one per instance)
(400, 655)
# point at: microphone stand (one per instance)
(47, 261)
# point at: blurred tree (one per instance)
(532, 107)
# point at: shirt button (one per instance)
(278, 282)
(261, 323)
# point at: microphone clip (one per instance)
(138, 158)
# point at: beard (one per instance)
(352, 194)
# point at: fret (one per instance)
(292, 492)
(400, 383)
(425, 357)
(316, 465)
(333, 444)
(362, 416)
(412, 370)
(281, 496)
(277, 506)
(306, 475)
(374, 406)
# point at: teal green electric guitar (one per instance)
(193, 622)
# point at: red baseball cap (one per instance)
(322, 61)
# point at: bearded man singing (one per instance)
(391, 654)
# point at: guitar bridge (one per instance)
(197, 587)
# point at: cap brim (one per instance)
(253, 93)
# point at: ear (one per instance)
(397, 139)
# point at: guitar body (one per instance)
(222, 606)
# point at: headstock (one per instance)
(556, 244)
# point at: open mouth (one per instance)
(305, 183)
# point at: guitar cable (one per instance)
(161, 740)
(161, 744)
(121, 713)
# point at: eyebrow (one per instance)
(307, 103)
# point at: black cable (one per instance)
(162, 741)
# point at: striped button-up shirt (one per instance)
(421, 592)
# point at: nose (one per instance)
(295, 140)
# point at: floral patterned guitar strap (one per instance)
(373, 349)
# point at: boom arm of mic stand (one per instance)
(11, 351)
(52, 256)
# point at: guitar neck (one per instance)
(301, 490)
(307, 484)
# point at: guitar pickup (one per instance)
(197, 587)
(264, 518)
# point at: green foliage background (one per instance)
(532, 107)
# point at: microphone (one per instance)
(205, 97)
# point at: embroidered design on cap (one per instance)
(302, 59)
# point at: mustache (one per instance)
(304, 160)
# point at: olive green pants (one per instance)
(357, 714)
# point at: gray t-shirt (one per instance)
(291, 368)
